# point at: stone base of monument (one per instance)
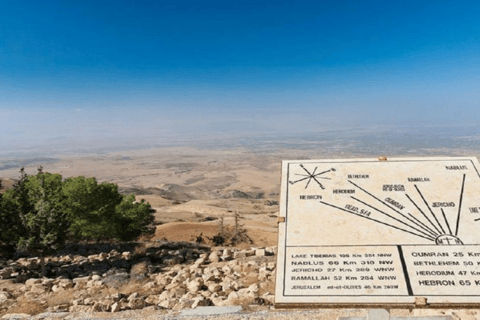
(382, 314)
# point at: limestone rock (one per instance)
(162, 280)
(149, 285)
(216, 301)
(233, 296)
(115, 307)
(38, 289)
(195, 285)
(239, 255)
(31, 282)
(133, 296)
(80, 308)
(4, 296)
(183, 304)
(260, 252)
(214, 287)
(214, 257)
(200, 302)
(56, 288)
(152, 299)
(227, 255)
(253, 287)
(166, 295)
(136, 303)
(168, 304)
(96, 277)
(179, 292)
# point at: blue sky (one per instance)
(70, 69)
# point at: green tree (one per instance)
(98, 211)
(133, 219)
(44, 223)
(13, 202)
(90, 207)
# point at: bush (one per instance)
(40, 211)
(133, 219)
(90, 207)
(98, 211)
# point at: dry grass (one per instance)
(27, 306)
(127, 289)
(137, 286)
(139, 268)
(61, 298)
(141, 248)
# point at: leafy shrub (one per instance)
(98, 211)
(40, 211)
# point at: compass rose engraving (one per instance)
(309, 176)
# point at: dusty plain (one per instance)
(192, 188)
(189, 188)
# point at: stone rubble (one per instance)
(172, 277)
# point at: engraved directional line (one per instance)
(428, 206)
(425, 227)
(381, 222)
(446, 221)
(423, 213)
(420, 224)
(420, 231)
(460, 204)
(311, 176)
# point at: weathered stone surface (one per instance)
(195, 285)
(136, 303)
(260, 252)
(115, 307)
(31, 282)
(214, 257)
(80, 308)
(12, 316)
(338, 214)
(38, 289)
(183, 304)
(211, 311)
(4, 296)
(378, 314)
(168, 304)
(239, 255)
(214, 287)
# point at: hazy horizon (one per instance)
(77, 77)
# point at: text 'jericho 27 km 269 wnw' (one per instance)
(365, 231)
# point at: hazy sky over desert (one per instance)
(108, 71)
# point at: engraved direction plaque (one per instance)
(364, 231)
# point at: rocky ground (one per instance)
(158, 276)
(192, 191)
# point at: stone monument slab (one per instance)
(376, 232)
